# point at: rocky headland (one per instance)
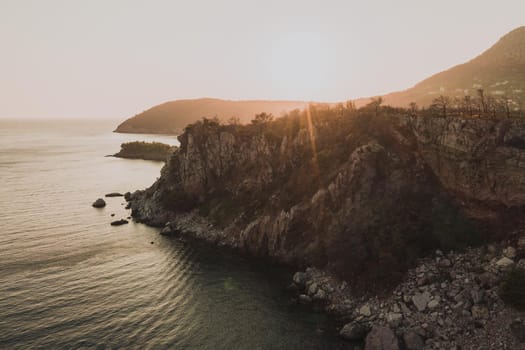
(380, 207)
(155, 151)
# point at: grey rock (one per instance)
(487, 279)
(99, 203)
(114, 194)
(413, 341)
(320, 295)
(479, 312)
(381, 338)
(504, 262)
(119, 222)
(166, 231)
(477, 295)
(394, 319)
(354, 331)
(421, 300)
(365, 310)
(432, 304)
(510, 252)
(299, 278)
(312, 289)
(305, 299)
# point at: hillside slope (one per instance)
(171, 117)
(499, 71)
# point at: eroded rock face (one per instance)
(482, 162)
(384, 194)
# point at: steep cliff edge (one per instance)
(359, 193)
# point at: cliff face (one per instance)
(360, 197)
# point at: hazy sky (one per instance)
(75, 59)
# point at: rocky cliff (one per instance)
(359, 193)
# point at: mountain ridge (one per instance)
(172, 116)
(499, 70)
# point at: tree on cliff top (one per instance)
(262, 118)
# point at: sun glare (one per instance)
(299, 65)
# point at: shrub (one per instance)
(512, 289)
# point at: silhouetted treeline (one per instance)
(481, 106)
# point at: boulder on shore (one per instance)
(381, 338)
(99, 203)
(119, 222)
(354, 331)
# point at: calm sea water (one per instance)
(69, 280)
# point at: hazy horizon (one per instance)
(114, 59)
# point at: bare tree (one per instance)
(413, 107)
(483, 105)
(262, 118)
(234, 121)
(505, 103)
(442, 104)
(376, 104)
(467, 100)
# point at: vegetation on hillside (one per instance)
(500, 71)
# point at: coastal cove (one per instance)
(68, 279)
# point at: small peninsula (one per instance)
(155, 151)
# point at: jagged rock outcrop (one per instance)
(363, 198)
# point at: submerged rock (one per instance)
(119, 222)
(114, 194)
(99, 203)
(305, 299)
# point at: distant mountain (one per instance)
(499, 71)
(171, 117)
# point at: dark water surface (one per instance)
(69, 280)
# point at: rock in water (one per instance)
(99, 203)
(166, 231)
(381, 338)
(119, 222)
(114, 194)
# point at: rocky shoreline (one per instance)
(449, 301)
